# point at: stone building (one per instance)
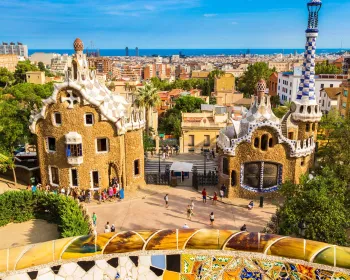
(224, 90)
(86, 135)
(261, 151)
(9, 61)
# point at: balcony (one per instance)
(72, 160)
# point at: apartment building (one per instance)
(12, 48)
(102, 64)
(288, 84)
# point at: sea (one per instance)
(190, 52)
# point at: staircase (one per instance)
(284, 124)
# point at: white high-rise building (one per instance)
(288, 84)
(12, 48)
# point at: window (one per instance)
(331, 85)
(225, 166)
(57, 119)
(307, 127)
(95, 179)
(74, 177)
(51, 144)
(191, 140)
(137, 167)
(74, 150)
(271, 144)
(233, 178)
(313, 127)
(260, 175)
(89, 119)
(264, 142)
(302, 162)
(206, 140)
(102, 145)
(345, 93)
(322, 86)
(344, 105)
(256, 142)
(53, 172)
(291, 135)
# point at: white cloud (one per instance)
(210, 15)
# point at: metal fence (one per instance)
(201, 179)
(157, 178)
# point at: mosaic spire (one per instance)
(305, 108)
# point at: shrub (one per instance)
(21, 206)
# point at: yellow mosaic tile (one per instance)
(15, 254)
(145, 234)
(84, 246)
(59, 246)
(289, 248)
(183, 236)
(313, 247)
(341, 276)
(124, 242)
(169, 275)
(224, 236)
(41, 253)
(3, 260)
(163, 240)
(204, 239)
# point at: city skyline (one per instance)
(170, 24)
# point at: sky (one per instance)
(162, 24)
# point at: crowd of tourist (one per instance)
(113, 192)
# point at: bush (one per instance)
(21, 206)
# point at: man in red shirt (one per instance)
(204, 194)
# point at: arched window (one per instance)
(261, 175)
(256, 142)
(225, 169)
(271, 142)
(75, 70)
(264, 142)
(307, 127)
(313, 127)
(233, 178)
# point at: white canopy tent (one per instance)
(178, 166)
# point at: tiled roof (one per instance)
(333, 92)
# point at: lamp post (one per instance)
(205, 162)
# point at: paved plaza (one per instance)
(147, 211)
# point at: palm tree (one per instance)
(7, 162)
(147, 98)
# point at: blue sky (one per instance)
(171, 23)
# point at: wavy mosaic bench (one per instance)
(177, 254)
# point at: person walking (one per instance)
(192, 205)
(213, 153)
(113, 228)
(243, 228)
(215, 198)
(107, 228)
(94, 219)
(204, 195)
(211, 217)
(189, 212)
(166, 199)
(221, 194)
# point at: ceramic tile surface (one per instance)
(169, 254)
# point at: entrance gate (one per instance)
(202, 179)
(156, 178)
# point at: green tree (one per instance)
(326, 68)
(41, 66)
(7, 162)
(21, 69)
(255, 72)
(111, 86)
(147, 98)
(6, 77)
(171, 122)
(336, 153)
(320, 203)
(275, 101)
